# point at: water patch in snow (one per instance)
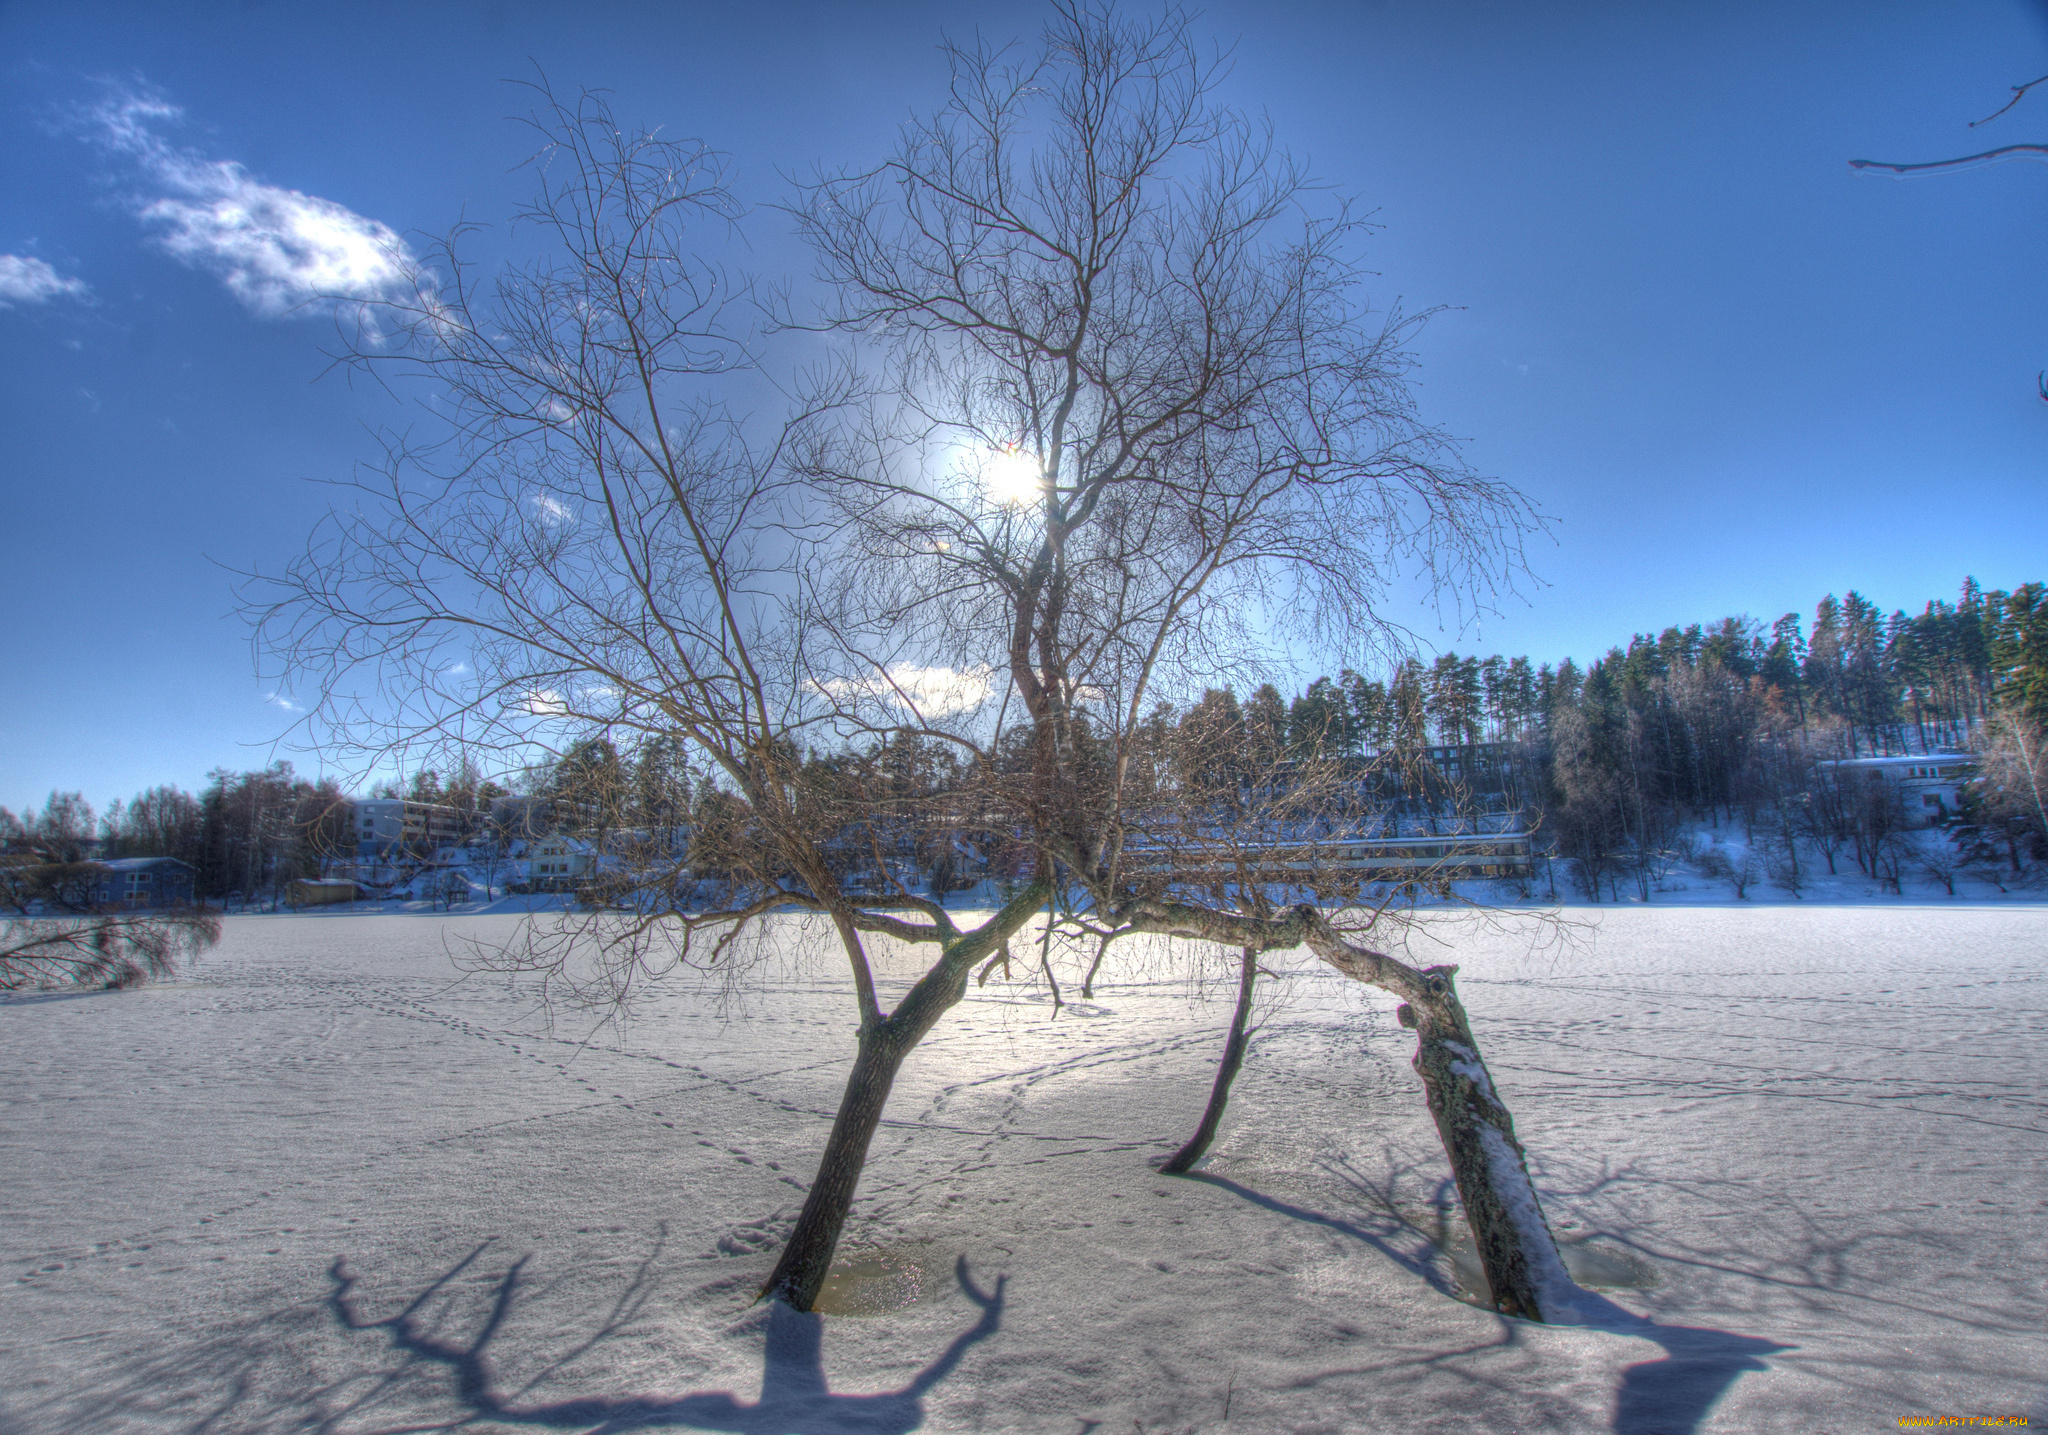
(1594, 1267)
(880, 1280)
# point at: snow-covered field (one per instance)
(326, 1183)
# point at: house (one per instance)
(527, 819)
(319, 891)
(1928, 784)
(559, 862)
(144, 882)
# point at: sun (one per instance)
(1012, 477)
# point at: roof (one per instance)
(1939, 759)
(143, 864)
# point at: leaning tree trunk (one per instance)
(1183, 1160)
(884, 1043)
(1524, 1272)
(807, 1256)
(1523, 1269)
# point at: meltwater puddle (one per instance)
(1598, 1268)
(878, 1280)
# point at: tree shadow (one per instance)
(1673, 1395)
(1670, 1396)
(795, 1399)
(1412, 1261)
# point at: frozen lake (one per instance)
(325, 1181)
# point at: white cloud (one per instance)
(282, 701)
(544, 702)
(939, 691)
(932, 691)
(279, 251)
(552, 511)
(27, 280)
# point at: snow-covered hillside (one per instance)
(325, 1182)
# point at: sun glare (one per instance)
(1012, 477)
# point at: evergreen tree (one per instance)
(2018, 652)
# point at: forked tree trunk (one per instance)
(1183, 1160)
(884, 1043)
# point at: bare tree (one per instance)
(1130, 428)
(2009, 798)
(63, 832)
(1739, 865)
(586, 548)
(1941, 860)
(105, 949)
(29, 884)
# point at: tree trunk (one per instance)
(884, 1043)
(1183, 1160)
(807, 1256)
(1523, 1269)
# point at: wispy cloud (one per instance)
(28, 280)
(551, 511)
(279, 251)
(280, 700)
(933, 691)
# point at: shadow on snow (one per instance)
(795, 1399)
(1670, 1396)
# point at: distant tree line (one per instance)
(1727, 722)
(1723, 722)
(246, 832)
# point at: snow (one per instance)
(1555, 1290)
(327, 1181)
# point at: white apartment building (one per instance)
(1929, 784)
(383, 825)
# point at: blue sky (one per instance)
(1736, 374)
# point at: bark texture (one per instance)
(807, 1256)
(1183, 1160)
(1524, 1272)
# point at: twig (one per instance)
(2019, 93)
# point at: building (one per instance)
(1929, 785)
(144, 882)
(319, 891)
(384, 825)
(527, 819)
(1449, 857)
(559, 863)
